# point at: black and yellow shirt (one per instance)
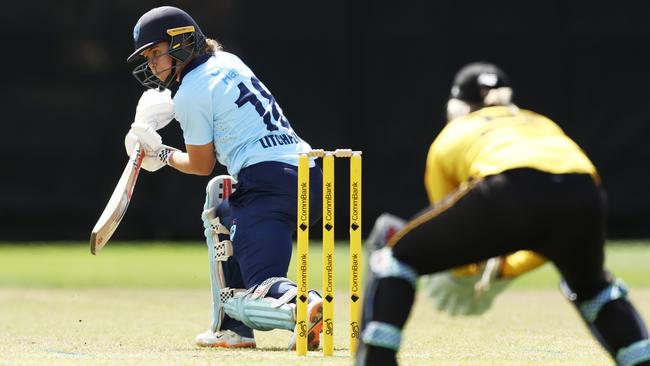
(495, 139)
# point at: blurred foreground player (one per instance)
(227, 115)
(511, 180)
(467, 290)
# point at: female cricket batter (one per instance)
(228, 115)
(511, 180)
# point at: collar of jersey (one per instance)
(194, 64)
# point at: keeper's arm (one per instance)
(437, 182)
(520, 262)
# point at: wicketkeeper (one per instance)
(227, 115)
(503, 179)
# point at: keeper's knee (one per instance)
(589, 308)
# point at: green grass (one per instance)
(185, 265)
(143, 303)
(129, 264)
(126, 264)
(629, 260)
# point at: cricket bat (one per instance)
(118, 203)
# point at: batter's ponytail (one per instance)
(211, 46)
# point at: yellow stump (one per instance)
(355, 250)
(328, 254)
(303, 253)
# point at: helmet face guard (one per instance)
(185, 44)
(165, 24)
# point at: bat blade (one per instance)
(118, 203)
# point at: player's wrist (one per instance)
(165, 155)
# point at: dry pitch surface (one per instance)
(157, 327)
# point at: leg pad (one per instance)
(590, 308)
(634, 354)
(383, 335)
(383, 264)
(256, 310)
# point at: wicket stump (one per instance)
(328, 247)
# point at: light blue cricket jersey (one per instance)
(221, 101)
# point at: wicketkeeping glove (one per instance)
(459, 294)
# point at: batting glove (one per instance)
(155, 108)
(157, 155)
(154, 160)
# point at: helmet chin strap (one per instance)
(177, 68)
(172, 75)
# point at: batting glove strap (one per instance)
(634, 354)
(591, 308)
(383, 335)
(164, 154)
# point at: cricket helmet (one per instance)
(478, 85)
(170, 24)
(473, 82)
